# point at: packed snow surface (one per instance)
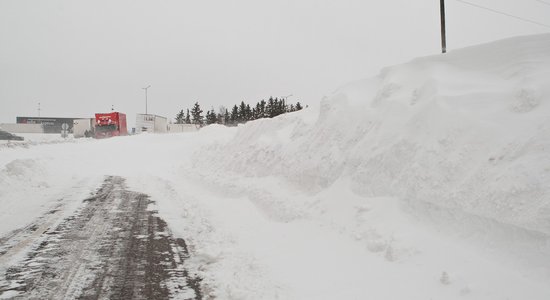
(429, 181)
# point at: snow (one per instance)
(429, 181)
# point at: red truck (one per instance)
(110, 124)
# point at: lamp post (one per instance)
(145, 88)
(284, 101)
(285, 97)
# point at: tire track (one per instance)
(111, 248)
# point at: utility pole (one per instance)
(39, 109)
(443, 35)
(145, 88)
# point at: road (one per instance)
(112, 247)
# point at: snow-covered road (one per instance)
(112, 247)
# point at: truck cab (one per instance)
(110, 124)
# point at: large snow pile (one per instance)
(460, 142)
(468, 131)
(429, 181)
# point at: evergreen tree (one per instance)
(277, 105)
(276, 108)
(242, 112)
(196, 112)
(291, 108)
(270, 108)
(248, 113)
(188, 117)
(262, 113)
(180, 117)
(234, 115)
(226, 118)
(214, 116)
(256, 112)
(211, 117)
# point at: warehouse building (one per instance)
(49, 125)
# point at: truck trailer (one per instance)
(110, 124)
(150, 123)
(83, 127)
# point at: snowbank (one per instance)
(467, 131)
(456, 144)
(33, 139)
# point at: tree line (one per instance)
(240, 113)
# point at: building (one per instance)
(49, 125)
(150, 123)
(175, 128)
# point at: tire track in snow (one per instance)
(18, 240)
(113, 247)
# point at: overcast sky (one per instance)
(81, 57)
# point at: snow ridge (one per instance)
(455, 146)
(466, 131)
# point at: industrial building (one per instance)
(150, 123)
(49, 125)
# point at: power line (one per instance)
(506, 14)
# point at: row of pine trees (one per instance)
(241, 113)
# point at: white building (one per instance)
(175, 128)
(150, 123)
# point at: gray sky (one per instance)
(80, 57)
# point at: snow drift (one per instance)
(467, 131)
(456, 143)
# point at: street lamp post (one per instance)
(286, 97)
(145, 88)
